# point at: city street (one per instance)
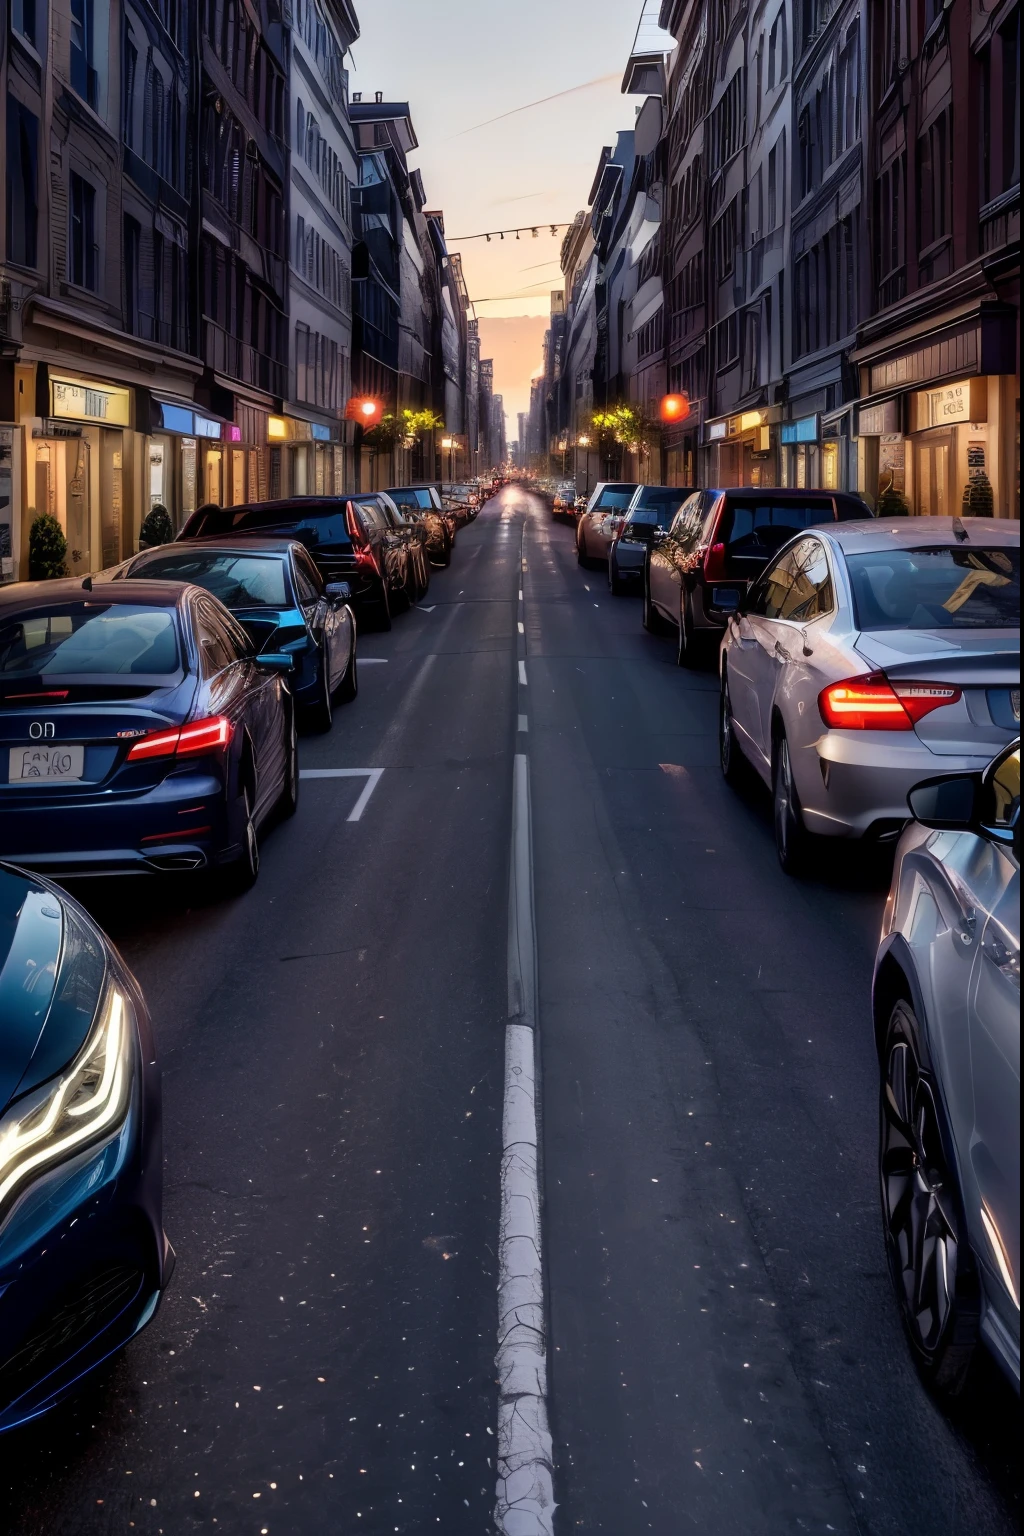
(725, 1353)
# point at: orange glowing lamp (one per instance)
(364, 409)
(674, 408)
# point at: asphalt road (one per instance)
(725, 1351)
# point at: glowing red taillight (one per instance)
(873, 703)
(211, 735)
(714, 562)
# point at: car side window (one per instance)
(774, 588)
(308, 589)
(216, 646)
(686, 520)
(810, 591)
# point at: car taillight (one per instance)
(873, 703)
(356, 531)
(714, 562)
(211, 735)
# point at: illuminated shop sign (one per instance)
(81, 401)
(716, 431)
(804, 430)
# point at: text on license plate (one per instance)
(32, 764)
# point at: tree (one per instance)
(47, 549)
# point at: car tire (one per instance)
(350, 682)
(686, 640)
(791, 840)
(382, 610)
(242, 873)
(288, 804)
(581, 548)
(730, 757)
(922, 1213)
(321, 714)
(616, 585)
(651, 618)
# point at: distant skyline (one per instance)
(532, 167)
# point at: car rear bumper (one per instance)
(852, 784)
(178, 825)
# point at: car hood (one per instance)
(990, 656)
(52, 966)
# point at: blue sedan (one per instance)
(83, 1256)
(140, 731)
(278, 596)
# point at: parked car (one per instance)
(438, 528)
(604, 515)
(399, 548)
(140, 732)
(946, 1000)
(428, 498)
(83, 1256)
(564, 498)
(718, 543)
(467, 493)
(337, 540)
(652, 507)
(278, 596)
(865, 658)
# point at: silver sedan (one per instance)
(946, 998)
(866, 657)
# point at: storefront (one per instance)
(742, 449)
(939, 429)
(80, 465)
(177, 451)
(307, 457)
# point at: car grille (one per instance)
(80, 1315)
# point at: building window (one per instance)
(25, 20)
(131, 64)
(84, 254)
(132, 245)
(22, 183)
(84, 79)
(890, 231)
(723, 244)
(933, 165)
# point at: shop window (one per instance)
(84, 251)
(22, 183)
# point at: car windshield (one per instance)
(657, 508)
(756, 529)
(405, 496)
(954, 588)
(316, 523)
(614, 498)
(82, 638)
(240, 581)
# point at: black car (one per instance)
(652, 507)
(401, 546)
(335, 536)
(720, 541)
(140, 731)
(439, 529)
(428, 499)
(278, 596)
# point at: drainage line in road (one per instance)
(525, 1495)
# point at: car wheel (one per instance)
(446, 551)
(935, 1285)
(686, 645)
(790, 833)
(289, 801)
(241, 874)
(729, 755)
(382, 610)
(321, 713)
(582, 557)
(350, 682)
(616, 585)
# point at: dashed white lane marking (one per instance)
(522, 627)
(524, 724)
(525, 1496)
(520, 594)
(373, 661)
(522, 674)
(371, 775)
(421, 608)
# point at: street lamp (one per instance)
(449, 444)
(583, 441)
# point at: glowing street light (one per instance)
(364, 409)
(674, 408)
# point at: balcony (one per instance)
(236, 359)
(1000, 220)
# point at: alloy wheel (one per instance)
(790, 837)
(728, 752)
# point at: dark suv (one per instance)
(720, 541)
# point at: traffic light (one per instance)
(674, 408)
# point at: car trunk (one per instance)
(984, 667)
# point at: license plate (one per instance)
(1015, 703)
(31, 765)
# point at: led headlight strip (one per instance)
(88, 1099)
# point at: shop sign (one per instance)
(319, 433)
(204, 427)
(176, 419)
(874, 420)
(805, 430)
(90, 402)
(716, 431)
(952, 404)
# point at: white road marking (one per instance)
(522, 674)
(525, 1496)
(371, 775)
(524, 724)
(373, 661)
(522, 627)
(520, 594)
(421, 608)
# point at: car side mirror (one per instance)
(946, 804)
(276, 661)
(338, 591)
(659, 535)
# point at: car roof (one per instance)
(31, 594)
(879, 533)
(783, 493)
(617, 485)
(224, 544)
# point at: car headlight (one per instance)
(81, 1105)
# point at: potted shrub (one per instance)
(47, 549)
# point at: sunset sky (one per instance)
(460, 63)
